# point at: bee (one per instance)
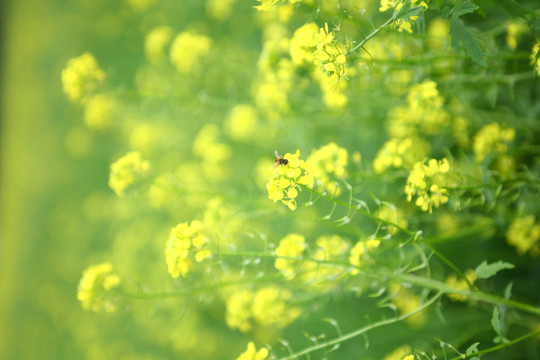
(280, 160)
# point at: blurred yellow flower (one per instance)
(127, 171)
(95, 285)
(155, 43)
(186, 243)
(188, 50)
(81, 77)
(251, 353)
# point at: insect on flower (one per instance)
(280, 160)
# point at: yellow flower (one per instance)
(460, 284)
(358, 252)
(251, 353)
(300, 47)
(127, 171)
(523, 234)
(427, 182)
(242, 122)
(188, 49)
(95, 287)
(238, 314)
(330, 161)
(99, 111)
(155, 43)
(400, 153)
(81, 77)
(285, 179)
(492, 138)
(186, 243)
(514, 30)
(293, 246)
(399, 353)
(534, 56)
(220, 9)
(407, 301)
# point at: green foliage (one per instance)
(485, 270)
(463, 38)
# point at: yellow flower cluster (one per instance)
(329, 54)
(99, 111)
(251, 353)
(81, 77)
(242, 122)
(156, 42)
(301, 44)
(400, 153)
(95, 285)
(276, 74)
(267, 307)
(359, 252)
(407, 301)
(535, 62)
(460, 284)
(427, 182)
(188, 49)
(186, 242)
(285, 179)
(291, 246)
(492, 138)
(424, 113)
(331, 160)
(397, 4)
(127, 171)
(523, 234)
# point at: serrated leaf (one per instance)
(463, 38)
(485, 270)
(472, 349)
(464, 7)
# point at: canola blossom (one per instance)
(81, 77)
(95, 286)
(127, 172)
(427, 183)
(186, 246)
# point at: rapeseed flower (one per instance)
(331, 162)
(407, 301)
(155, 43)
(251, 353)
(535, 62)
(100, 111)
(427, 182)
(492, 138)
(285, 180)
(523, 234)
(359, 252)
(95, 287)
(291, 246)
(187, 242)
(188, 50)
(127, 172)
(241, 122)
(460, 284)
(82, 76)
(400, 153)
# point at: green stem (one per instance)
(498, 347)
(360, 331)
(380, 275)
(367, 38)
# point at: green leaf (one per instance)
(463, 38)
(496, 322)
(464, 7)
(485, 270)
(472, 349)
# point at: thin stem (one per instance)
(367, 38)
(498, 347)
(360, 331)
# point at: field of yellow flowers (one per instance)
(270, 179)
